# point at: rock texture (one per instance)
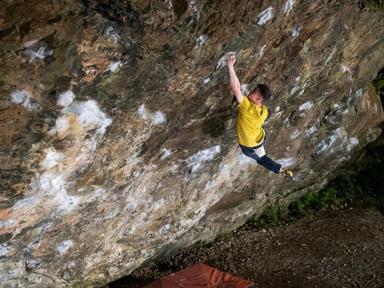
(117, 128)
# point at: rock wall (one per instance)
(117, 124)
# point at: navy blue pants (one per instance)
(264, 161)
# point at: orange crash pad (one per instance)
(200, 275)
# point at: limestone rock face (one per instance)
(117, 125)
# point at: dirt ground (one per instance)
(333, 248)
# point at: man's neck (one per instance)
(257, 105)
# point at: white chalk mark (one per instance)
(265, 16)
(64, 246)
(310, 131)
(202, 40)
(288, 6)
(306, 106)
(285, 162)
(142, 112)
(295, 134)
(295, 32)
(37, 52)
(52, 158)
(206, 80)
(54, 186)
(89, 115)
(223, 60)
(22, 97)
(65, 98)
(159, 118)
(165, 153)
(244, 89)
(196, 161)
(111, 33)
(114, 66)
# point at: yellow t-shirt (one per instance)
(249, 123)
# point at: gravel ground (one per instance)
(333, 248)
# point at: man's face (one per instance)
(256, 97)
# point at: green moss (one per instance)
(342, 190)
(270, 217)
(304, 51)
(338, 75)
(379, 84)
(373, 4)
(168, 52)
(214, 126)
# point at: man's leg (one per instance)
(259, 155)
(268, 163)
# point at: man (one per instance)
(252, 114)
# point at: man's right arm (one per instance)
(233, 80)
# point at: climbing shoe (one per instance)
(288, 173)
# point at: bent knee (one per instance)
(249, 153)
(252, 155)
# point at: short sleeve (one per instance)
(244, 104)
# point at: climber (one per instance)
(252, 114)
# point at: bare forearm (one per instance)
(233, 80)
(235, 83)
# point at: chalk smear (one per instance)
(265, 16)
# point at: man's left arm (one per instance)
(233, 80)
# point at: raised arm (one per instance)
(233, 80)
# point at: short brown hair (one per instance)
(264, 91)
